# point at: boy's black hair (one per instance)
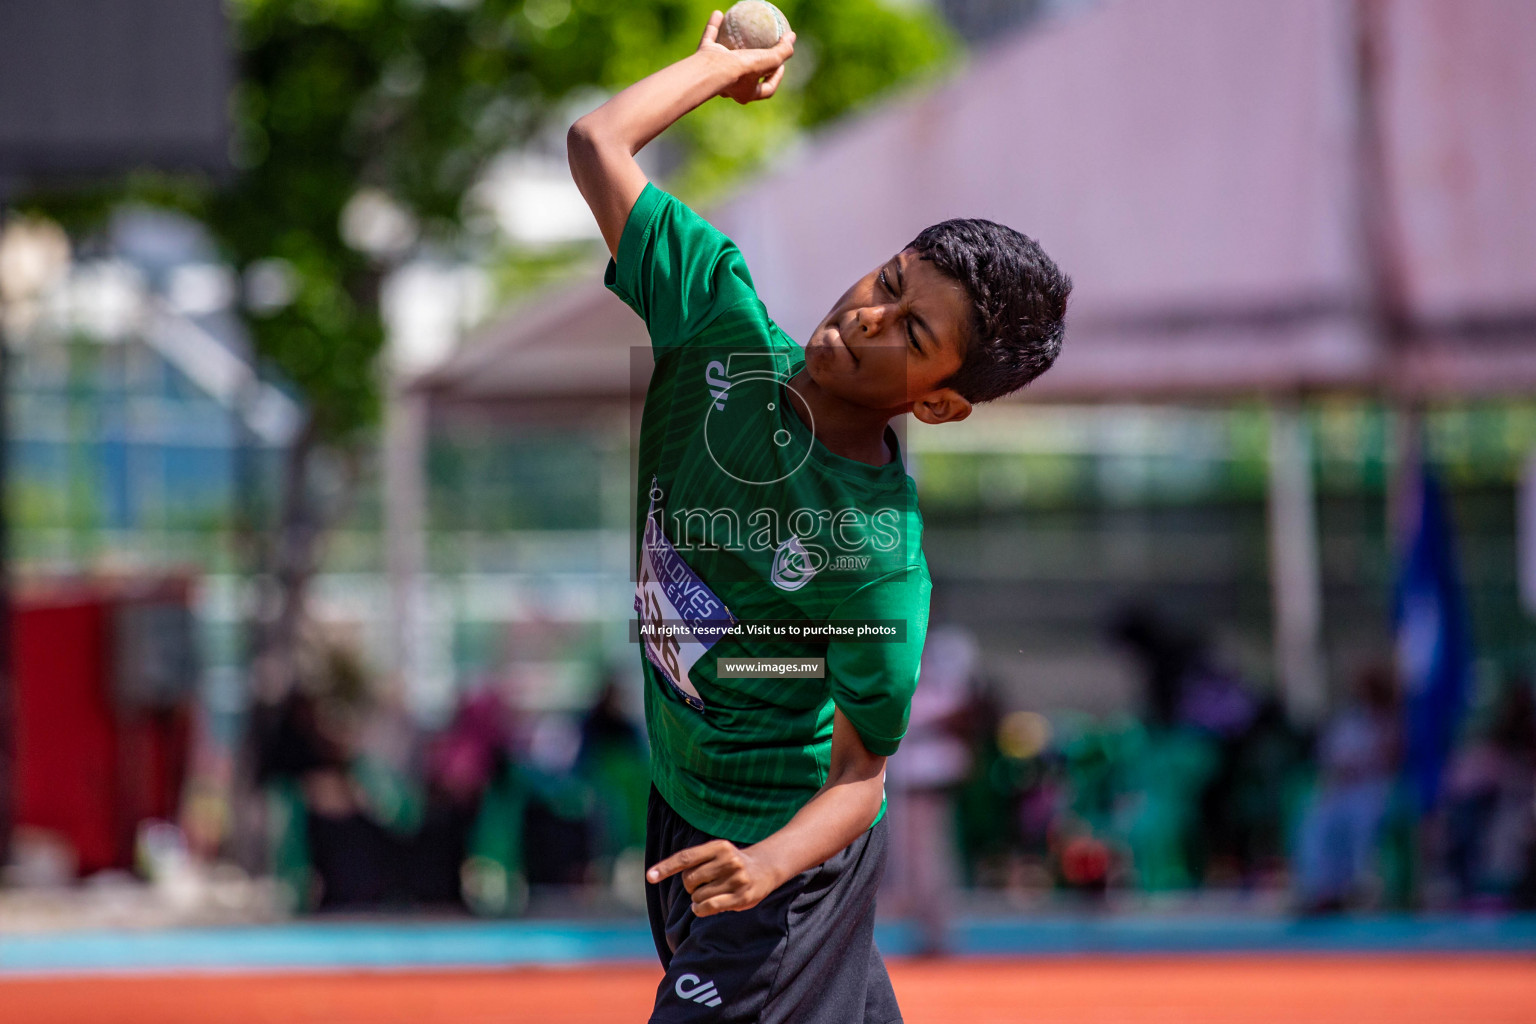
(1020, 300)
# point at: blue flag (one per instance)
(1433, 643)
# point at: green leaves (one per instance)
(413, 98)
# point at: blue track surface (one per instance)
(394, 945)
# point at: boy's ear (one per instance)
(945, 405)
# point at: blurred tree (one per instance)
(360, 128)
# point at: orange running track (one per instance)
(1143, 990)
(1273, 990)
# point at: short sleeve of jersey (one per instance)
(676, 269)
(872, 683)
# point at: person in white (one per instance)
(921, 780)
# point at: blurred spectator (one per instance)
(614, 761)
(1490, 794)
(534, 823)
(463, 758)
(1159, 808)
(328, 844)
(994, 824)
(461, 763)
(1221, 706)
(1358, 758)
(1270, 772)
(1165, 655)
(327, 849)
(1189, 797)
(921, 780)
(559, 825)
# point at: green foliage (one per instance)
(846, 53)
(414, 97)
(862, 48)
(520, 271)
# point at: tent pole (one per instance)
(405, 437)
(1295, 565)
(1380, 250)
(1407, 443)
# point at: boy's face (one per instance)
(893, 338)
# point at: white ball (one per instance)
(752, 25)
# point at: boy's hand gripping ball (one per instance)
(752, 25)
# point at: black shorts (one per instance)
(805, 955)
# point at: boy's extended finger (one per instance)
(679, 861)
(712, 30)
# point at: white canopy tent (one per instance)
(1197, 166)
(1254, 199)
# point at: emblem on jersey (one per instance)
(689, 986)
(792, 565)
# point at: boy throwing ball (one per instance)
(780, 582)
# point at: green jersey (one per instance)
(744, 518)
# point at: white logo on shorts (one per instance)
(689, 986)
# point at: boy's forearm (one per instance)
(601, 146)
(644, 110)
(839, 813)
(721, 876)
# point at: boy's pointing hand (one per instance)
(758, 72)
(719, 876)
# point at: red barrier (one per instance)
(93, 758)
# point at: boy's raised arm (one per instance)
(602, 145)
